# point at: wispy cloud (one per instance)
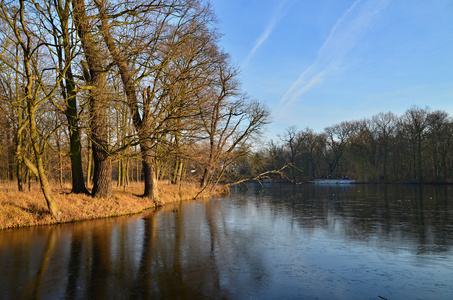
(275, 18)
(344, 35)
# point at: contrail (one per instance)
(344, 35)
(276, 17)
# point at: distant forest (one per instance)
(413, 147)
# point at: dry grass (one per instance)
(29, 208)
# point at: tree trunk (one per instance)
(61, 170)
(102, 179)
(78, 182)
(138, 172)
(89, 163)
(419, 159)
(69, 93)
(126, 170)
(19, 164)
(120, 171)
(149, 172)
(102, 176)
(19, 158)
(206, 176)
(60, 160)
(177, 173)
(45, 187)
(10, 154)
(31, 109)
(141, 124)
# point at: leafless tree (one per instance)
(98, 102)
(36, 90)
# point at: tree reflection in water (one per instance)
(296, 241)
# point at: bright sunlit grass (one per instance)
(19, 209)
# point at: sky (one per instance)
(316, 63)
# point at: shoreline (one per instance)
(28, 208)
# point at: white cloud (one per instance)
(344, 35)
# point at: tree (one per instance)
(95, 77)
(66, 51)
(416, 122)
(294, 140)
(315, 147)
(362, 151)
(159, 29)
(384, 127)
(14, 109)
(36, 90)
(229, 120)
(440, 139)
(178, 90)
(275, 156)
(337, 141)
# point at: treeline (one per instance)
(412, 147)
(96, 90)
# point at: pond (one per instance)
(277, 241)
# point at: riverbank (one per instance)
(23, 209)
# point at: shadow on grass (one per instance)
(38, 212)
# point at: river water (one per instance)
(276, 242)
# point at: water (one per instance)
(283, 241)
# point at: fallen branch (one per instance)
(264, 175)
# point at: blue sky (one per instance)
(316, 63)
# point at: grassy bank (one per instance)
(29, 208)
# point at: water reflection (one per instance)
(421, 217)
(313, 242)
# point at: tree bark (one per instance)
(45, 187)
(149, 173)
(89, 163)
(207, 174)
(78, 182)
(177, 172)
(70, 94)
(19, 162)
(31, 103)
(141, 124)
(102, 177)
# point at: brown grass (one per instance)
(20, 209)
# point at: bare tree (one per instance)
(66, 50)
(229, 120)
(36, 90)
(295, 140)
(384, 128)
(416, 122)
(95, 75)
(337, 141)
(160, 29)
(440, 139)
